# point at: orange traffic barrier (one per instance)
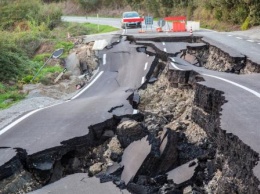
(178, 23)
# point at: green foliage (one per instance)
(14, 63)
(28, 41)
(90, 5)
(41, 57)
(43, 75)
(50, 69)
(9, 95)
(27, 79)
(246, 24)
(25, 10)
(65, 45)
(218, 14)
(94, 28)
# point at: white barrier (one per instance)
(192, 25)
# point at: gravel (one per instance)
(253, 33)
(24, 106)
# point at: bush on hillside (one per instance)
(14, 12)
(14, 63)
(246, 24)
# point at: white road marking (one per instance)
(147, 55)
(143, 79)
(24, 117)
(230, 35)
(165, 50)
(123, 31)
(175, 66)
(34, 111)
(163, 43)
(250, 41)
(239, 38)
(236, 84)
(104, 59)
(87, 87)
(145, 66)
(226, 80)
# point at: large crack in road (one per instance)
(174, 144)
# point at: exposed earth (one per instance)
(66, 89)
(165, 127)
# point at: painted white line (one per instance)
(163, 43)
(239, 38)
(123, 32)
(88, 86)
(230, 35)
(250, 41)
(34, 111)
(145, 66)
(135, 111)
(175, 66)
(104, 59)
(226, 80)
(143, 79)
(236, 84)
(165, 50)
(24, 117)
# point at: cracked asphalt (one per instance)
(125, 69)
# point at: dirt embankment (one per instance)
(184, 149)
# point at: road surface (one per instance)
(124, 68)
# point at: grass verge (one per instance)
(10, 95)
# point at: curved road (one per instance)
(123, 68)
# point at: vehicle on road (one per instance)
(130, 15)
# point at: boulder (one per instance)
(129, 131)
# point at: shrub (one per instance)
(90, 5)
(218, 14)
(65, 45)
(9, 95)
(14, 12)
(246, 24)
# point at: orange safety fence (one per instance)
(178, 23)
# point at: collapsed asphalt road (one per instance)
(176, 143)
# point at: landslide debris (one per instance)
(173, 145)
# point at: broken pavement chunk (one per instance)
(134, 157)
(134, 99)
(168, 149)
(79, 183)
(99, 44)
(150, 156)
(182, 173)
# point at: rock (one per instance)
(95, 168)
(187, 190)
(129, 131)
(114, 151)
